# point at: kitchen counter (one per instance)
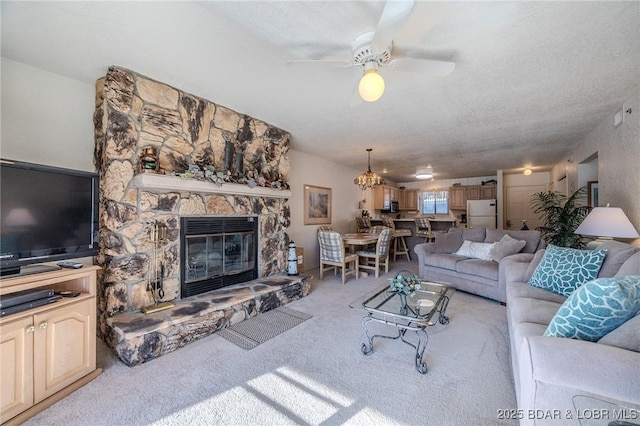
(413, 220)
(438, 224)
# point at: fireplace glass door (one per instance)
(211, 256)
(217, 252)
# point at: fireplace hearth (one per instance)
(217, 251)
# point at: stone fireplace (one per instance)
(134, 112)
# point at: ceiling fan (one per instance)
(373, 50)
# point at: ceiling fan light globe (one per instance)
(424, 175)
(371, 86)
(424, 172)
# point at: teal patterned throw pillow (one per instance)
(597, 308)
(562, 270)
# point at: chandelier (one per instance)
(368, 179)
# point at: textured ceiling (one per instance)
(531, 78)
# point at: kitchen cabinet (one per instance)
(473, 193)
(487, 192)
(393, 194)
(458, 195)
(49, 351)
(383, 195)
(379, 200)
(458, 198)
(408, 199)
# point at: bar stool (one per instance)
(399, 243)
(363, 224)
(423, 228)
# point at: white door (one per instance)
(518, 200)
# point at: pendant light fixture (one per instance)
(368, 179)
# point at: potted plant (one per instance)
(404, 284)
(561, 215)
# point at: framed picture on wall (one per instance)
(317, 205)
(592, 193)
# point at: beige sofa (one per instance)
(550, 371)
(437, 260)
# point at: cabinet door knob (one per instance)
(30, 329)
(44, 325)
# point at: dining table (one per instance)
(359, 239)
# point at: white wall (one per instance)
(307, 169)
(46, 118)
(618, 150)
(519, 179)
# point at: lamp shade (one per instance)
(371, 86)
(607, 222)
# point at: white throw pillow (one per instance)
(482, 251)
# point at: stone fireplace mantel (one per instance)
(175, 183)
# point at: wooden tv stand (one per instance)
(49, 351)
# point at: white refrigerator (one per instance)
(482, 213)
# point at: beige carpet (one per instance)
(313, 374)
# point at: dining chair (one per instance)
(399, 244)
(363, 224)
(333, 256)
(423, 229)
(324, 228)
(376, 229)
(375, 257)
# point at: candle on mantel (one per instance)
(239, 164)
(228, 156)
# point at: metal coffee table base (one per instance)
(418, 328)
(402, 329)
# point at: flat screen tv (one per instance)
(47, 214)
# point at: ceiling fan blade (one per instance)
(327, 63)
(393, 17)
(428, 66)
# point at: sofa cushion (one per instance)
(448, 242)
(627, 336)
(534, 264)
(630, 267)
(531, 238)
(597, 308)
(475, 250)
(481, 268)
(506, 247)
(474, 234)
(562, 269)
(517, 289)
(443, 260)
(525, 309)
(617, 254)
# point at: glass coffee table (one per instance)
(425, 308)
